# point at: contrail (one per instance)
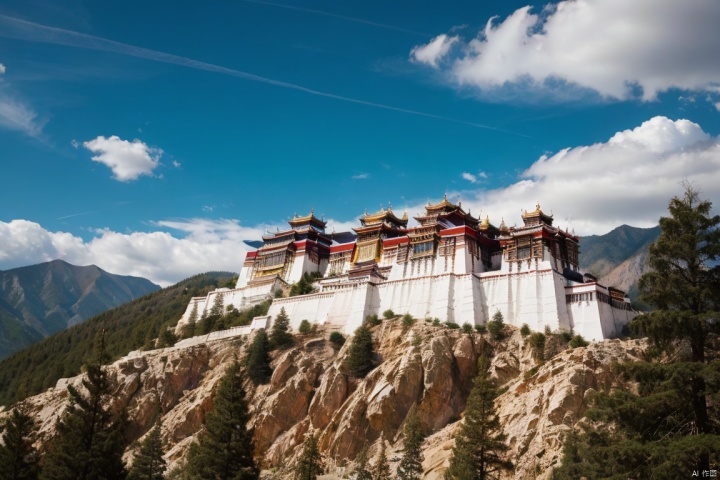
(341, 17)
(76, 215)
(16, 28)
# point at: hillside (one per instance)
(618, 258)
(310, 391)
(127, 328)
(40, 300)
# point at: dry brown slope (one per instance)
(309, 391)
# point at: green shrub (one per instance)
(436, 322)
(371, 321)
(305, 327)
(452, 325)
(407, 321)
(578, 341)
(481, 329)
(467, 328)
(279, 293)
(496, 326)
(388, 314)
(548, 330)
(337, 340)
(537, 343)
(566, 336)
(525, 330)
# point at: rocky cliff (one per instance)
(310, 392)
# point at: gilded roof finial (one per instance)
(537, 206)
(405, 215)
(312, 211)
(294, 215)
(445, 197)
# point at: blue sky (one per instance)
(150, 138)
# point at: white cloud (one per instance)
(128, 160)
(176, 164)
(717, 106)
(2, 68)
(159, 256)
(627, 180)
(433, 52)
(18, 115)
(469, 177)
(361, 176)
(609, 46)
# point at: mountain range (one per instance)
(619, 258)
(39, 300)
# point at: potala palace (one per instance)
(451, 266)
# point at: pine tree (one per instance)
(480, 444)
(257, 360)
(217, 309)
(191, 325)
(670, 426)
(360, 353)
(309, 464)
(149, 463)
(18, 457)
(280, 336)
(382, 468)
(88, 444)
(362, 472)
(410, 467)
(224, 449)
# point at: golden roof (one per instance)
(538, 214)
(310, 218)
(382, 215)
(443, 205)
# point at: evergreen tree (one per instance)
(410, 467)
(480, 444)
(149, 463)
(217, 309)
(496, 326)
(360, 353)
(257, 360)
(224, 449)
(88, 444)
(191, 325)
(280, 336)
(670, 427)
(382, 468)
(362, 472)
(309, 464)
(18, 457)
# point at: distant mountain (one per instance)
(618, 258)
(127, 327)
(43, 299)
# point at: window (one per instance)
(523, 253)
(424, 248)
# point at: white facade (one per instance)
(451, 267)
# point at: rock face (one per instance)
(310, 392)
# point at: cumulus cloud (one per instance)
(203, 245)
(2, 68)
(433, 52)
(612, 47)
(127, 160)
(628, 179)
